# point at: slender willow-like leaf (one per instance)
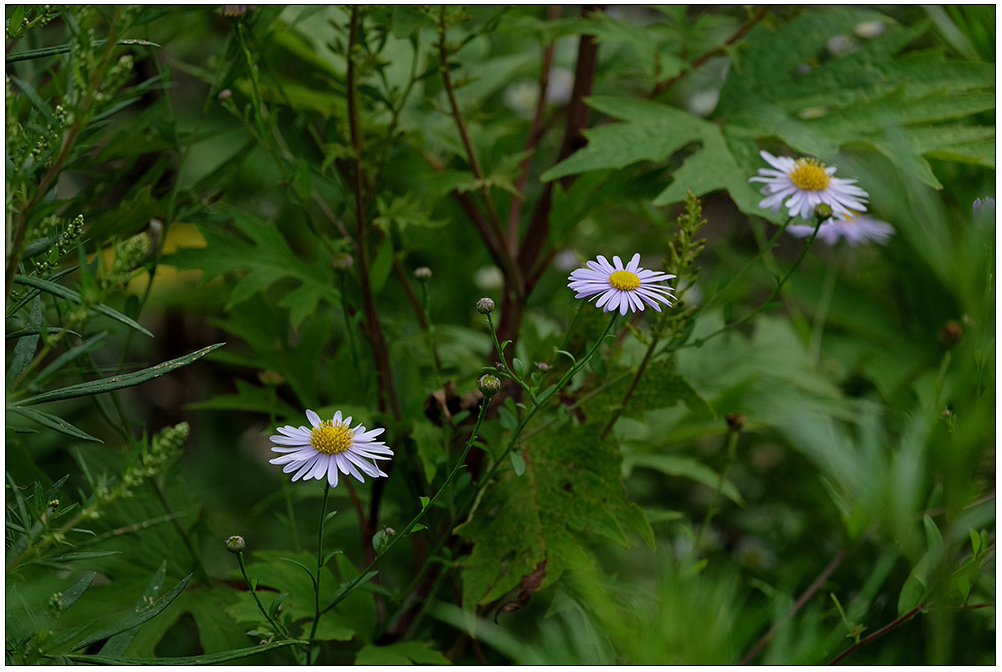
(65, 49)
(117, 645)
(134, 618)
(207, 659)
(53, 422)
(115, 382)
(92, 343)
(70, 295)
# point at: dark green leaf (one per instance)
(204, 659)
(135, 618)
(52, 422)
(70, 295)
(117, 382)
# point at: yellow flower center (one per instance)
(332, 437)
(625, 280)
(810, 174)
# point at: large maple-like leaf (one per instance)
(267, 258)
(785, 85)
(571, 489)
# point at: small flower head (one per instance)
(342, 261)
(330, 445)
(804, 183)
(488, 385)
(621, 288)
(856, 228)
(984, 207)
(224, 94)
(423, 273)
(235, 544)
(485, 306)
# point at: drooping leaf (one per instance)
(52, 422)
(116, 382)
(70, 295)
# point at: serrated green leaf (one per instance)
(70, 295)
(662, 387)
(117, 382)
(267, 258)
(571, 488)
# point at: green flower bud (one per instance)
(485, 306)
(488, 385)
(235, 544)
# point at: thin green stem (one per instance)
(765, 304)
(732, 446)
(253, 590)
(320, 566)
(397, 536)
(507, 370)
(578, 365)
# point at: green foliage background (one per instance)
(769, 473)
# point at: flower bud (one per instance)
(342, 261)
(485, 306)
(950, 333)
(235, 544)
(488, 385)
(224, 94)
(271, 378)
(736, 421)
(823, 211)
(423, 273)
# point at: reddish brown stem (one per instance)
(801, 601)
(901, 620)
(719, 50)
(535, 135)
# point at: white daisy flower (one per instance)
(620, 288)
(856, 228)
(806, 182)
(329, 446)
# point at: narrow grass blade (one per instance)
(70, 295)
(135, 618)
(115, 382)
(53, 422)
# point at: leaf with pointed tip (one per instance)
(70, 295)
(103, 385)
(135, 618)
(52, 422)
